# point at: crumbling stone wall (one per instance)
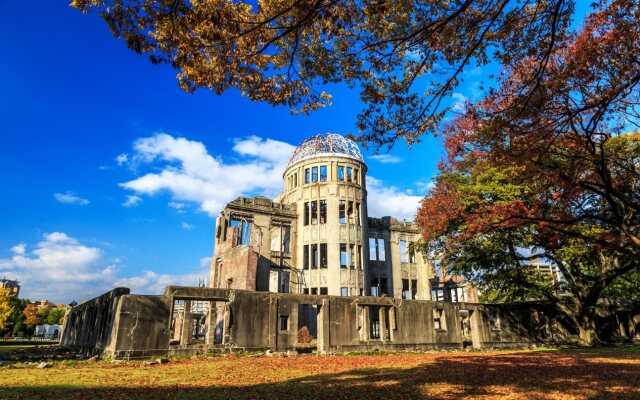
(139, 326)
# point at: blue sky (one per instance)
(112, 175)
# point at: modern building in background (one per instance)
(316, 236)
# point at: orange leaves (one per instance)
(31, 314)
(569, 374)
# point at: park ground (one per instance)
(598, 373)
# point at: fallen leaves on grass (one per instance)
(488, 375)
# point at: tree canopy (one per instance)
(556, 171)
(5, 307)
(404, 56)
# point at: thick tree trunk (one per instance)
(587, 331)
(582, 314)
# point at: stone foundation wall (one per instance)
(135, 326)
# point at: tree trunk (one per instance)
(587, 327)
(587, 334)
(582, 314)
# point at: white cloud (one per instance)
(189, 173)
(205, 262)
(460, 100)
(70, 198)
(473, 71)
(388, 200)
(150, 282)
(61, 269)
(423, 186)
(122, 158)
(186, 225)
(176, 205)
(132, 201)
(20, 248)
(386, 158)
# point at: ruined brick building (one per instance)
(316, 236)
(313, 260)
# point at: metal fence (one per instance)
(30, 339)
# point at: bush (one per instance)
(303, 335)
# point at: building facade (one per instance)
(316, 236)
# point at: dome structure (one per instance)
(323, 145)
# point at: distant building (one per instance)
(547, 268)
(451, 288)
(12, 285)
(44, 304)
(47, 331)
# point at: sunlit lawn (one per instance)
(606, 373)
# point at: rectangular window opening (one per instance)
(314, 174)
(412, 253)
(343, 255)
(381, 250)
(323, 173)
(340, 173)
(323, 255)
(372, 249)
(342, 210)
(374, 321)
(323, 211)
(404, 253)
(314, 212)
(284, 323)
(437, 293)
(406, 290)
(314, 256)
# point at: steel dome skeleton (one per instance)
(327, 143)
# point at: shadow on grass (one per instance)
(536, 375)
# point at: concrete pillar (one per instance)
(383, 323)
(212, 318)
(392, 323)
(475, 328)
(185, 336)
(323, 327)
(226, 329)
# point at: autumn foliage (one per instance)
(549, 163)
(405, 57)
(5, 307)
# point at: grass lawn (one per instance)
(605, 373)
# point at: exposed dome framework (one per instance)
(325, 144)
